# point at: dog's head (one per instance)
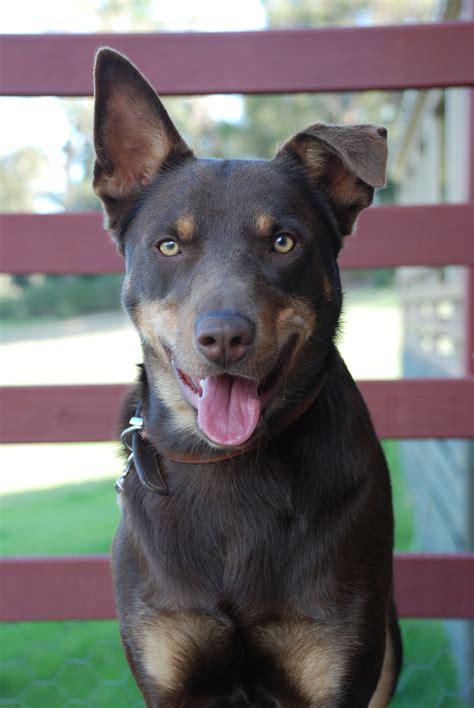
(231, 274)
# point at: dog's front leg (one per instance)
(185, 659)
(329, 665)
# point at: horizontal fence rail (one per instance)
(387, 236)
(408, 408)
(80, 588)
(285, 61)
(276, 61)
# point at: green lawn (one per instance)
(77, 518)
(53, 664)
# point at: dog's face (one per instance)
(231, 274)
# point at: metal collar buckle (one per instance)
(142, 457)
(135, 426)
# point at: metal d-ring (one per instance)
(135, 425)
(142, 457)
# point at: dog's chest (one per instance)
(234, 538)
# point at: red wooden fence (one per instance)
(417, 56)
(277, 61)
(410, 408)
(81, 588)
(387, 236)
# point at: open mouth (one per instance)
(229, 407)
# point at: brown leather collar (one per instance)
(195, 458)
(144, 457)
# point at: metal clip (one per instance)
(136, 424)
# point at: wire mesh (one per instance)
(56, 664)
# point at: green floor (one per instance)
(52, 664)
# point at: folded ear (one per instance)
(345, 162)
(133, 134)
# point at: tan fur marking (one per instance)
(185, 227)
(170, 642)
(264, 224)
(381, 697)
(156, 320)
(157, 323)
(313, 657)
(344, 190)
(327, 287)
(297, 317)
(315, 159)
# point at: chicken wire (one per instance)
(55, 664)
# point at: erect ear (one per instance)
(133, 134)
(345, 162)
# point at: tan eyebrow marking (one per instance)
(264, 224)
(185, 227)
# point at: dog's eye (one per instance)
(283, 243)
(168, 247)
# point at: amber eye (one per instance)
(283, 243)
(168, 247)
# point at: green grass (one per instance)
(59, 296)
(74, 519)
(429, 674)
(52, 664)
(401, 500)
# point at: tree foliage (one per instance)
(265, 122)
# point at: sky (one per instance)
(31, 16)
(50, 128)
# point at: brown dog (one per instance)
(253, 564)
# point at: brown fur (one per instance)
(346, 161)
(327, 288)
(261, 580)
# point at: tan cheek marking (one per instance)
(313, 658)
(296, 317)
(185, 227)
(157, 321)
(167, 389)
(169, 644)
(264, 224)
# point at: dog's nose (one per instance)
(224, 337)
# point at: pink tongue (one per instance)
(229, 409)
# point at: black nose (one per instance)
(224, 337)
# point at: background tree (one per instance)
(265, 122)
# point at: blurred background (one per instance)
(406, 322)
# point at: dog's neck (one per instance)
(211, 454)
(151, 440)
